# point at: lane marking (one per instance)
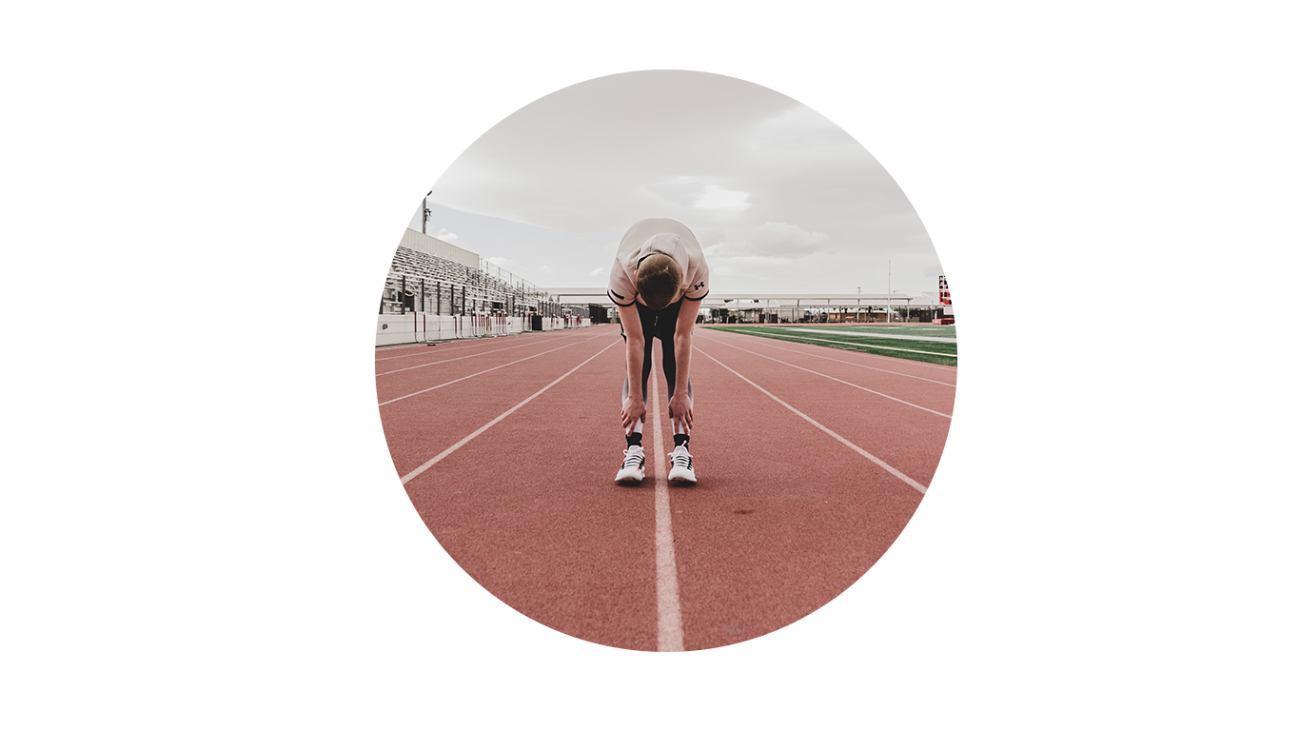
(880, 462)
(846, 383)
(856, 365)
(472, 375)
(784, 336)
(451, 360)
(463, 357)
(443, 454)
(424, 350)
(669, 603)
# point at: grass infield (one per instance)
(933, 331)
(922, 350)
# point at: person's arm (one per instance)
(679, 406)
(634, 404)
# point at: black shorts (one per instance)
(660, 324)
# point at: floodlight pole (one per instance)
(889, 292)
(424, 218)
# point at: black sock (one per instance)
(634, 439)
(682, 439)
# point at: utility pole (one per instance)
(424, 218)
(889, 292)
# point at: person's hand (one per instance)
(633, 411)
(679, 410)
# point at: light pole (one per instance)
(424, 218)
(889, 299)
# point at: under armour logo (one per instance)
(701, 284)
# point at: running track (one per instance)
(810, 462)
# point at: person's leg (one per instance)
(667, 329)
(680, 437)
(634, 436)
(633, 468)
(649, 319)
(682, 471)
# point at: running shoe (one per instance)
(633, 470)
(683, 471)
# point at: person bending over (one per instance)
(658, 280)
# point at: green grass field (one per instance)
(861, 342)
(932, 331)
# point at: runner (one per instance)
(658, 280)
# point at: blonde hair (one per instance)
(658, 278)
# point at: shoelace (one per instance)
(633, 460)
(681, 459)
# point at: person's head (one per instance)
(658, 281)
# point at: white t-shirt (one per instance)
(658, 236)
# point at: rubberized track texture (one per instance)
(810, 462)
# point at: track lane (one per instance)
(809, 353)
(468, 349)
(924, 394)
(409, 350)
(530, 510)
(783, 519)
(421, 427)
(410, 381)
(476, 374)
(864, 361)
(909, 439)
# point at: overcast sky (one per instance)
(780, 197)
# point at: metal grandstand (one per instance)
(431, 276)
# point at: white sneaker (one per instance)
(633, 470)
(683, 471)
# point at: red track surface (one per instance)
(784, 518)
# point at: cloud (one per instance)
(710, 237)
(447, 236)
(681, 190)
(597, 272)
(500, 261)
(546, 269)
(783, 188)
(782, 241)
(798, 128)
(720, 199)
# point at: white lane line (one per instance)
(670, 608)
(860, 345)
(463, 357)
(472, 375)
(424, 350)
(450, 360)
(887, 467)
(850, 363)
(443, 454)
(846, 383)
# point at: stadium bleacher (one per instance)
(421, 282)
